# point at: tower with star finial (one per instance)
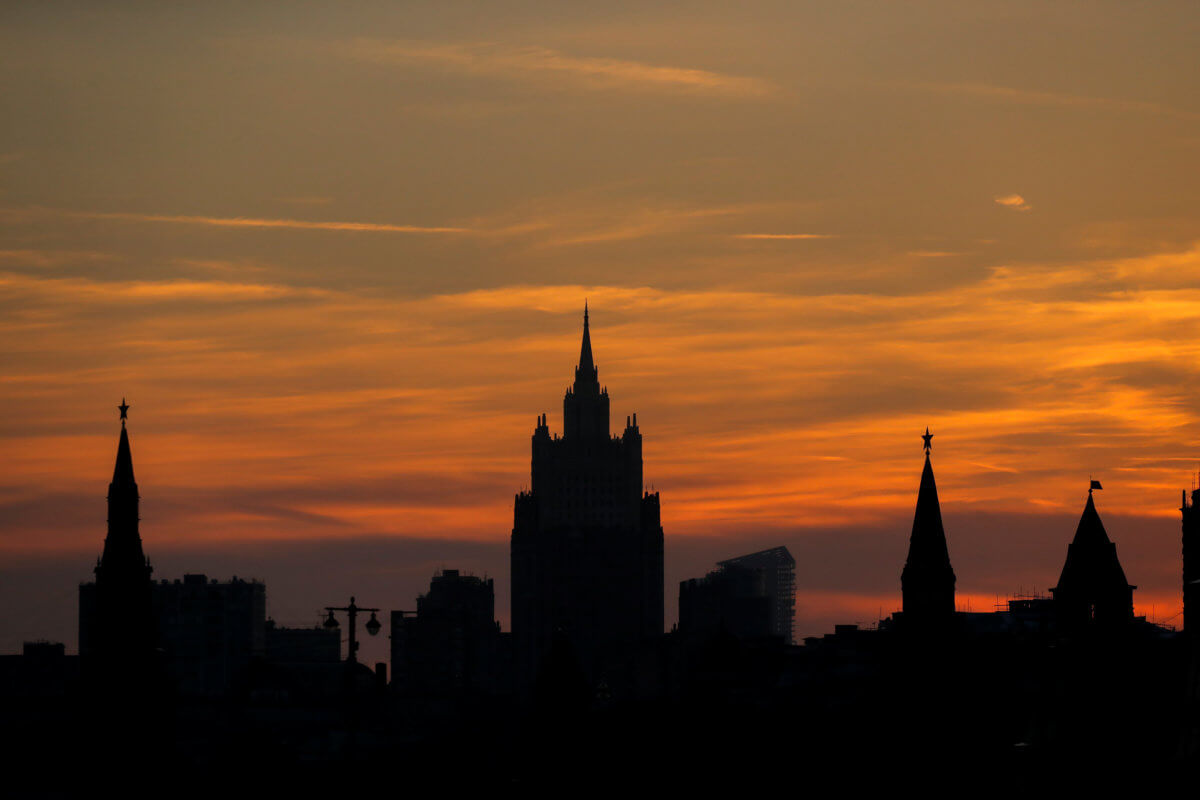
(116, 620)
(927, 582)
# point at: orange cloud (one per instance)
(251, 222)
(1013, 201)
(530, 61)
(784, 236)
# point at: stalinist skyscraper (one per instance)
(587, 541)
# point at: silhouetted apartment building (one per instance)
(315, 645)
(777, 571)
(451, 645)
(210, 631)
(731, 600)
(207, 631)
(1092, 592)
(43, 670)
(587, 541)
(1191, 561)
(750, 596)
(927, 580)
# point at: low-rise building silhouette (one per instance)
(315, 645)
(451, 646)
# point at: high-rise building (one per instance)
(209, 631)
(1092, 591)
(1191, 562)
(731, 600)
(776, 570)
(927, 581)
(587, 541)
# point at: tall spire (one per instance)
(927, 581)
(585, 406)
(123, 469)
(123, 544)
(586, 374)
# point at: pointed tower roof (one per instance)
(928, 542)
(123, 469)
(1092, 561)
(586, 373)
(123, 553)
(927, 580)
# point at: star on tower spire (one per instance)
(928, 439)
(124, 409)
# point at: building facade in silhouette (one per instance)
(749, 596)
(1191, 562)
(315, 645)
(452, 644)
(1092, 592)
(210, 631)
(927, 580)
(731, 600)
(777, 570)
(587, 541)
(117, 635)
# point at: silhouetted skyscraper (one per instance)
(927, 581)
(116, 630)
(1191, 561)
(1092, 590)
(777, 569)
(587, 542)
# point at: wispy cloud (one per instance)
(1014, 201)
(252, 222)
(85, 290)
(785, 236)
(935, 253)
(489, 59)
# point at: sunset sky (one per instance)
(336, 255)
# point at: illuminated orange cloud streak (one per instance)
(765, 414)
(251, 222)
(533, 61)
(784, 236)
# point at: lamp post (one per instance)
(352, 610)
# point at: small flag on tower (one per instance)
(1095, 485)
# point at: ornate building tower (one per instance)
(1092, 591)
(927, 581)
(116, 617)
(587, 542)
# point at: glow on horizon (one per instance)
(367, 240)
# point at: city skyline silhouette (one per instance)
(336, 268)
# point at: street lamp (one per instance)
(352, 610)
